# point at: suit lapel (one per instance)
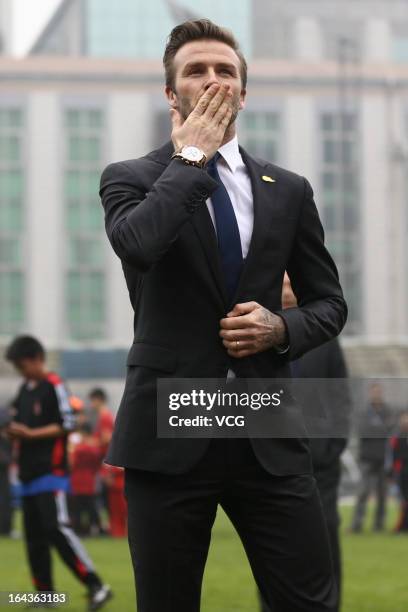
(203, 225)
(263, 194)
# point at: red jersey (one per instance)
(86, 461)
(104, 428)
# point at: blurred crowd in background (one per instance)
(383, 462)
(96, 502)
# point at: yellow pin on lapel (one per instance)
(268, 179)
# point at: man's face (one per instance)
(376, 395)
(198, 65)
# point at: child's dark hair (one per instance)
(24, 347)
(99, 394)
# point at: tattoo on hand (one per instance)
(250, 328)
(276, 335)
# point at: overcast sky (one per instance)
(29, 16)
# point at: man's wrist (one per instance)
(281, 340)
(191, 155)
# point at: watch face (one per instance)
(192, 153)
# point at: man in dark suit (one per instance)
(328, 442)
(327, 361)
(204, 233)
(376, 423)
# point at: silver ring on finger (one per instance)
(236, 343)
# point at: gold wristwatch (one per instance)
(191, 155)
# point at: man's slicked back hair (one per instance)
(199, 29)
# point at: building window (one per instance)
(85, 263)
(134, 28)
(341, 205)
(272, 33)
(400, 41)
(12, 312)
(260, 134)
(342, 40)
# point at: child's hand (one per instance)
(18, 430)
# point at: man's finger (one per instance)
(241, 322)
(222, 112)
(214, 105)
(243, 308)
(224, 122)
(237, 334)
(203, 102)
(242, 345)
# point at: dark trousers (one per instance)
(85, 514)
(328, 483)
(278, 518)
(5, 501)
(46, 524)
(373, 478)
(402, 524)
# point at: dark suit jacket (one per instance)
(327, 361)
(159, 225)
(377, 424)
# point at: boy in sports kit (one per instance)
(42, 420)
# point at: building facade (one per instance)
(63, 120)
(375, 30)
(6, 26)
(327, 98)
(311, 30)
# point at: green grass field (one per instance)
(375, 572)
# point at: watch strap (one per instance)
(198, 164)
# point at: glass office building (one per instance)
(135, 28)
(11, 219)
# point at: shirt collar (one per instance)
(230, 153)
